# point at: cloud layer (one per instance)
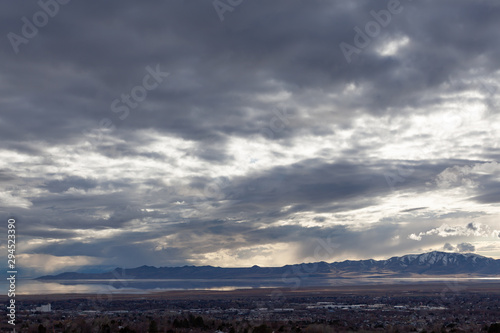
(173, 133)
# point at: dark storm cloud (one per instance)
(448, 247)
(41, 233)
(58, 186)
(226, 81)
(483, 175)
(466, 247)
(309, 242)
(79, 62)
(490, 192)
(413, 209)
(313, 185)
(258, 199)
(462, 247)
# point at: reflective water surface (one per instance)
(32, 287)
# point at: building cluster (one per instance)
(43, 308)
(466, 312)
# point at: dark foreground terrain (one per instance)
(436, 307)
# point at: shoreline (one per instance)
(427, 289)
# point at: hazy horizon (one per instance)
(97, 269)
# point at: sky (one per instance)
(239, 133)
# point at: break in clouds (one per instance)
(248, 132)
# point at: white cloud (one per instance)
(46, 263)
(393, 46)
(471, 229)
(466, 175)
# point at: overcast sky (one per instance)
(248, 132)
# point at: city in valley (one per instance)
(416, 307)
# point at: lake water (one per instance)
(32, 287)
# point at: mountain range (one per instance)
(431, 263)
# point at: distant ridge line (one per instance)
(430, 263)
